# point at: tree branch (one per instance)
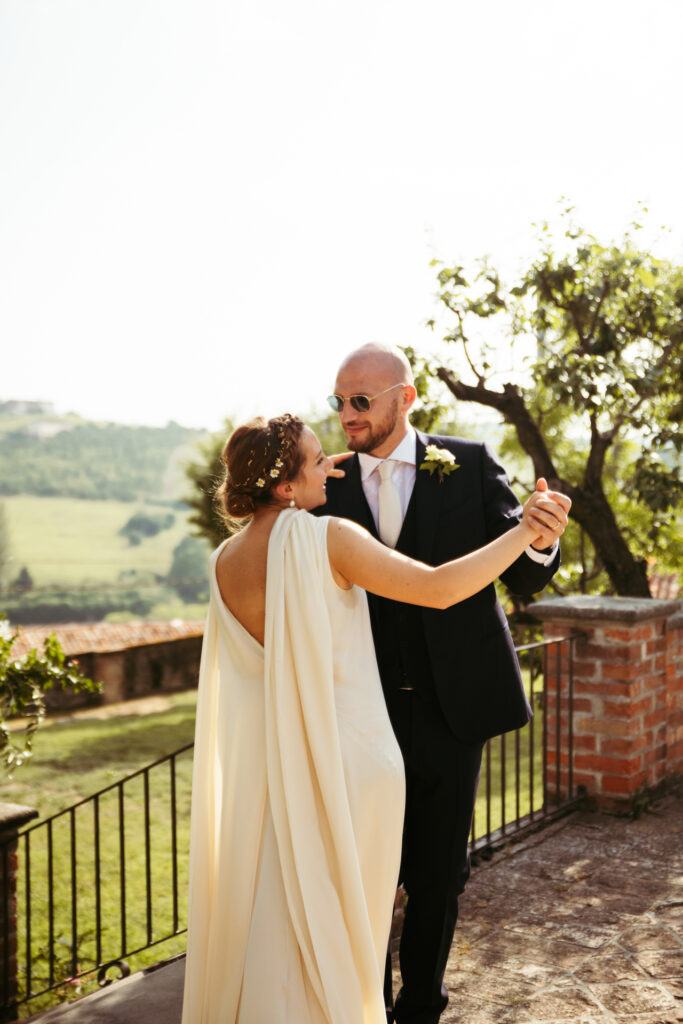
(510, 404)
(590, 507)
(568, 307)
(596, 457)
(627, 414)
(481, 380)
(596, 314)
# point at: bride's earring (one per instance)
(292, 503)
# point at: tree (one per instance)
(187, 575)
(146, 524)
(598, 331)
(5, 557)
(205, 474)
(23, 582)
(23, 682)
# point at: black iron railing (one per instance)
(106, 879)
(527, 776)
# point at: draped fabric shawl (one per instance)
(276, 743)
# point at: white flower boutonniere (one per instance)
(439, 460)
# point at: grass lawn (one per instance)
(66, 541)
(504, 797)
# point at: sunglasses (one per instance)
(361, 403)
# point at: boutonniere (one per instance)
(439, 460)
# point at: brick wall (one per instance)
(627, 695)
(674, 696)
(12, 817)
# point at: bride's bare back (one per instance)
(241, 576)
(241, 571)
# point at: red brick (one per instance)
(629, 709)
(585, 669)
(617, 709)
(607, 727)
(611, 689)
(617, 784)
(614, 765)
(654, 755)
(629, 636)
(588, 743)
(653, 719)
(653, 681)
(587, 779)
(607, 652)
(674, 752)
(625, 671)
(617, 745)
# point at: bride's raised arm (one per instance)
(357, 557)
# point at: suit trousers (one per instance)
(442, 775)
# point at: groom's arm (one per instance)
(503, 511)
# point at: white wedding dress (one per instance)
(297, 804)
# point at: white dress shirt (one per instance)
(405, 455)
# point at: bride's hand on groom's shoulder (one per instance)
(335, 460)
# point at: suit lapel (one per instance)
(428, 496)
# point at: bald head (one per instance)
(382, 374)
(384, 361)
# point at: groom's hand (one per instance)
(335, 460)
(551, 516)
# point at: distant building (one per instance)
(131, 659)
(23, 407)
(43, 429)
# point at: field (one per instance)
(66, 541)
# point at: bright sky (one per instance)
(206, 203)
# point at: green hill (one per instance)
(46, 455)
(92, 524)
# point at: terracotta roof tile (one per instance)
(97, 637)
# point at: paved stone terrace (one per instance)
(583, 922)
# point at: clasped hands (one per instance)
(546, 511)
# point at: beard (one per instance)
(378, 434)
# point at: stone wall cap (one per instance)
(676, 621)
(15, 815)
(597, 606)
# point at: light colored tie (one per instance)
(390, 513)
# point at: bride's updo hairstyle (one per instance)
(257, 457)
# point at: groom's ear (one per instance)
(409, 396)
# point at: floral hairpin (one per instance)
(278, 464)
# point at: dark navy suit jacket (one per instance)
(474, 665)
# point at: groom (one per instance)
(450, 677)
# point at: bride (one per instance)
(298, 789)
